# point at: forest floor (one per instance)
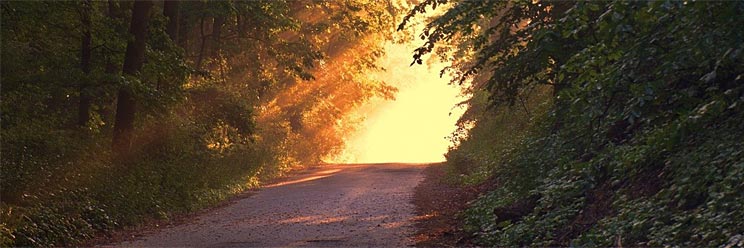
(335, 205)
(438, 207)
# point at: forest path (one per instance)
(335, 205)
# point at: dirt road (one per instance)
(342, 205)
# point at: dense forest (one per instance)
(117, 112)
(596, 123)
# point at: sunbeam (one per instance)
(412, 128)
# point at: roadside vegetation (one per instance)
(592, 123)
(114, 112)
(597, 123)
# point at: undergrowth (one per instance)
(642, 142)
(81, 193)
(686, 192)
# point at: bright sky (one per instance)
(411, 129)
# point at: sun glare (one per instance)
(413, 127)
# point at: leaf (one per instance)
(709, 77)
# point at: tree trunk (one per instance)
(85, 54)
(203, 44)
(111, 67)
(216, 35)
(133, 59)
(184, 31)
(171, 10)
(113, 13)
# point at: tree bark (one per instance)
(171, 10)
(85, 55)
(203, 44)
(184, 31)
(219, 21)
(111, 68)
(134, 57)
(114, 14)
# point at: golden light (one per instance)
(413, 127)
(314, 176)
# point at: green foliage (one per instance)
(487, 138)
(230, 102)
(642, 145)
(70, 199)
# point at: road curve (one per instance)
(339, 205)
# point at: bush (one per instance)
(643, 143)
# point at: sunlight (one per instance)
(316, 176)
(412, 128)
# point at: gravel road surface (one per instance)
(334, 206)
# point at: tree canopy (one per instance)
(642, 94)
(113, 112)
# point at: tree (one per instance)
(493, 38)
(172, 11)
(85, 57)
(134, 58)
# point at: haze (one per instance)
(413, 127)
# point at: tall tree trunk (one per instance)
(111, 68)
(184, 31)
(171, 10)
(219, 21)
(203, 44)
(134, 57)
(85, 54)
(113, 13)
